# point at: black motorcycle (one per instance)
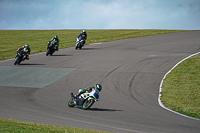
(19, 56)
(51, 48)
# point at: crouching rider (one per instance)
(27, 51)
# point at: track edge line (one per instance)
(160, 89)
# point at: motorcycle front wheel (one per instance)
(87, 104)
(76, 47)
(16, 60)
(47, 52)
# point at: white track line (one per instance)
(160, 90)
(82, 121)
(95, 43)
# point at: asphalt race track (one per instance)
(129, 70)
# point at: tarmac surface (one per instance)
(129, 70)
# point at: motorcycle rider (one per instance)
(26, 50)
(84, 36)
(97, 87)
(56, 41)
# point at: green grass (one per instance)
(11, 40)
(181, 88)
(13, 126)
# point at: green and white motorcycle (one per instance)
(85, 100)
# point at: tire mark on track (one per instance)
(112, 71)
(104, 76)
(130, 88)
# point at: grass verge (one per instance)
(181, 88)
(13, 126)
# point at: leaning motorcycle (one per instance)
(19, 56)
(51, 48)
(79, 43)
(85, 100)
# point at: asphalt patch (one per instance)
(34, 77)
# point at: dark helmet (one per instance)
(98, 87)
(84, 31)
(56, 37)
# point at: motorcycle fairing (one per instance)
(79, 101)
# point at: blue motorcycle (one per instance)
(79, 43)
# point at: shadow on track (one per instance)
(29, 64)
(98, 109)
(61, 55)
(89, 49)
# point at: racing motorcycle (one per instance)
(85, 100)
(19, 56)
(79, 43)
(51, 48)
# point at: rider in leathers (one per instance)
(98, 87)
(26, 50)
(56, 41)
(84, 36)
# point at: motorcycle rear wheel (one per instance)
(71, 103)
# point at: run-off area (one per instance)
(35, 77)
